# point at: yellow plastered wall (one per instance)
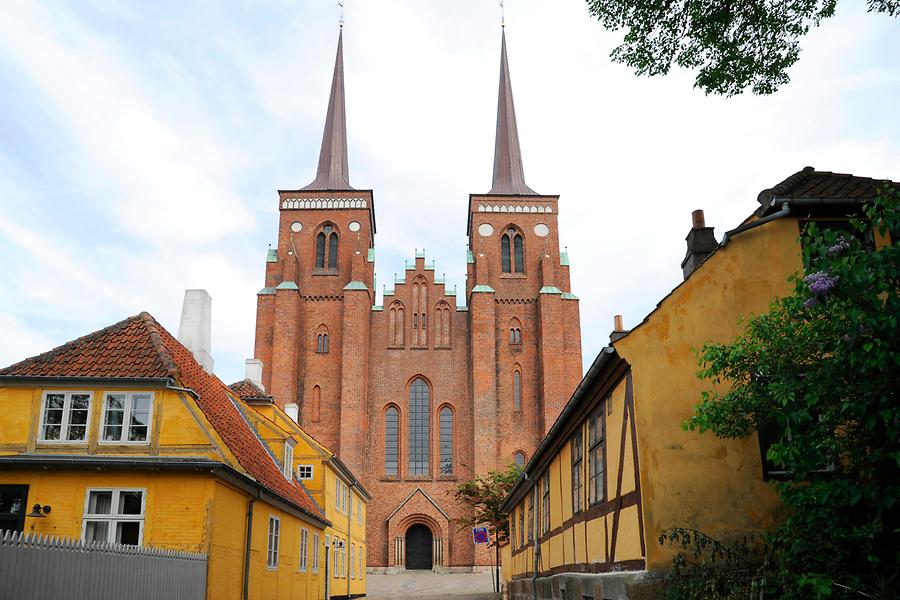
(688, 479)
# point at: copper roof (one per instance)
(509, 175)
(333, 172)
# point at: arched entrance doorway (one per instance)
(418, 547)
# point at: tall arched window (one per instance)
(391, 440)
(419, 308)
(320, 251)
(512, 251)
(446, 441)
(327, 247)
(316, 403)
(322, 345)
(419, 431)
(505, 254)
(519, 458)
(517, 390)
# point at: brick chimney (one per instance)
(619, 330)
(194, 331)
(700, 243)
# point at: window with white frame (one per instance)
(114, 516)
(352, 561)
(361, 563)
(288, 466)
(304, 472)
(337, 494)
(359, 505)
(304, 548)
(64, 416)
(274, 539)
(126, 417)
(315, 553)
(346, 496)
(344, 560)
(335, 561)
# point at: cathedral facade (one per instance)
(421, 393)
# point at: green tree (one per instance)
(819, 374)
(733, 44)
(484, 496)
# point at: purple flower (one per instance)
(839, 247)
(810, 302)
(820, 283)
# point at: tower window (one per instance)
(512, 251)
(391, 440)
(332, 250)
(327, 248)
(320, 251)
(517, 391)
(419, 430)
(322, 343)
(515, 336)
(519, 458)
(446, 441)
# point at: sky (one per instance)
(142, 144)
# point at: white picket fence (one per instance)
(35, 567)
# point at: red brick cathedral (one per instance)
(421, 393)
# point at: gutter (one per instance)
(605, 355)
(785, 211)
(336, 462)
(103, 381)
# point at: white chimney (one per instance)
(293, 411)
(194, 331)
(253, 372)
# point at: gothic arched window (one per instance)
(419, 308)
(419, 430)
(517, 390)
(442, 324)
(515, 332)
(391, 440)
(512, 251)
(395, 324)
(332, 250)
(320, 251)
(327, 247)
(446, 424)
(322, 345)
(519, 458)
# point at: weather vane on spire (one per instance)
(341, 21)
(502, 16)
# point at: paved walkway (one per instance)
(425, 585)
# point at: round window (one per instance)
(541, 230)
(328, 229)
(296, 226)
(353, 226)
(485, 230)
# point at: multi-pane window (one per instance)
(304, 472)
(288, 466)
(322, 343)
(126, 417)
(274, 537)
(359, 505)
(531, 515)
(595, 456)
(327, 237)
(521, 526)
(344, 559)
(304, 549)
(320, 250)
(519, 459)
(577, 449)
(446, 441)
(419, 430)
(352, 561)
(64, 417)
(512, 251)
(332, 249)
(336, 559)
(114, 516)
(347, 508)
(391, 440)
(515, 336)
(545, 502)
(315, 553)
(517, 390)
(362, 568)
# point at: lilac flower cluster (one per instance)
(810, 303)
(839, 247)
(820, 283)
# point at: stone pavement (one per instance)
(425, 585)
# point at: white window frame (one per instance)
(273, 533)
(113, 518)
(344, 561)
(67, 412)
(359, 556)
(335, 563)
(315, 553)
(352, 561)
(304, 549)
(126, 417)
(359, 504)
(305, 472)
(288, 467)
(337, 493)
(346, 490)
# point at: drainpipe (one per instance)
(250, 504)
(349, 536)
(785, 211)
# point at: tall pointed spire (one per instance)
(509, 176)
(333, 173)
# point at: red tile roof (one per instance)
(139, 347)
(246, 390)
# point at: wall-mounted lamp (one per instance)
(39, 512)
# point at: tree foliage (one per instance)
(819, 374)
(733, 45)
(484, 496)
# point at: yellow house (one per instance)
(616, 469)
(327, 480)
(126, 439)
